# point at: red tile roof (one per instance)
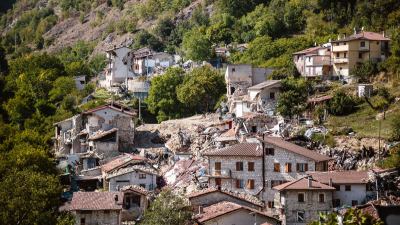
(96, 201)
(241, 149)
(222, 208)
(135, 188)
(239, 195)
(307, 51)
(366, 35)
(100, 134)
(319, 99)
(120, 161)
(279, 142)
(341, 177)
(303, 184)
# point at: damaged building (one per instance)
(106, 130)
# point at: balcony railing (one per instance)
(340, 48)
(340, 60)
(220, 173)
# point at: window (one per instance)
(300, 216)
(142, 185)
(337, 187)
(277, 167)
(321, 198)
(270, 204)
(151, 187)
(217, 166)
(82, 82)
(354, 202)
(302, 167)
(106, 211)
(362, 44)
(360, 55)
(300, 197)
(217, 181)
(239, 166)
(250, 166)
(345, 55)
(377, 43)
(239, 183)
(369, 187)
(269, 151)
(83, 221)
(288, 168)
(272, 95)
(337, 55)
(347, 187)
(142, 176)
(250, 184)
(233, 69)
(254, 129)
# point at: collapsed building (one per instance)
(106, 130)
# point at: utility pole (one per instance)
(140, 113)
(379, 139)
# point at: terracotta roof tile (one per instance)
(222, 208)
(96, 201)
(302, 184)
(241, 149)
(365, 35)
(307, 51)
(279, 142)
(341, 177)
(135, 188)
(120, 161)
(100, 134)
(239, 195)
(113, 106)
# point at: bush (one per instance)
(395, 125)
(341, 104)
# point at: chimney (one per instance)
(383, 33)
(201, 209)
(338, 37)
(116, 198)
(330, 182)
(309, 182)
(355, 30)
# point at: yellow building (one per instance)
(348, 52)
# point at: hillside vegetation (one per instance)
(45, 43)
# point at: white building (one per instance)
(80, 82)
(142, 176)
(352, 187)
(314, 62)
(148, 62)
(119, 67)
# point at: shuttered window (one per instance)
(288, 168)
(250, 166)
(239, 166)
(277, 167)
(239, 183)
(250, 184)
(301, 167)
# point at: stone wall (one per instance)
(109, 217)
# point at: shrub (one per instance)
(341, 104)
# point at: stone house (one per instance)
(136, 201)
(80, 82)
(139, 175)
(106, 130)
(213, 195)
(92, 208)
(255, 168)
(148, 62)
(352, 187)
(238, 168)
(301, 201)
(228, 213)
(285, 161)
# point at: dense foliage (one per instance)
(293, 99)
(351, 217)
(167, 209)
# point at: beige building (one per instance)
(314, 62)
(348, 52)
(301, 201)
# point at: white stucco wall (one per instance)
(133, 179)
(358, 192)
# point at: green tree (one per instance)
(62, 87)
(395, 127)
(201, 88)
(293, 99)
(162, 100)
(196, 46)
(341, 104)
(167, 209)
(351, 217)
(365, 71)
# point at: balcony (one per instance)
(364, 49)
(340, 48)
(340, 60)
(223, 173)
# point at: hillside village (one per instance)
(241, 163)
(201, 112)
